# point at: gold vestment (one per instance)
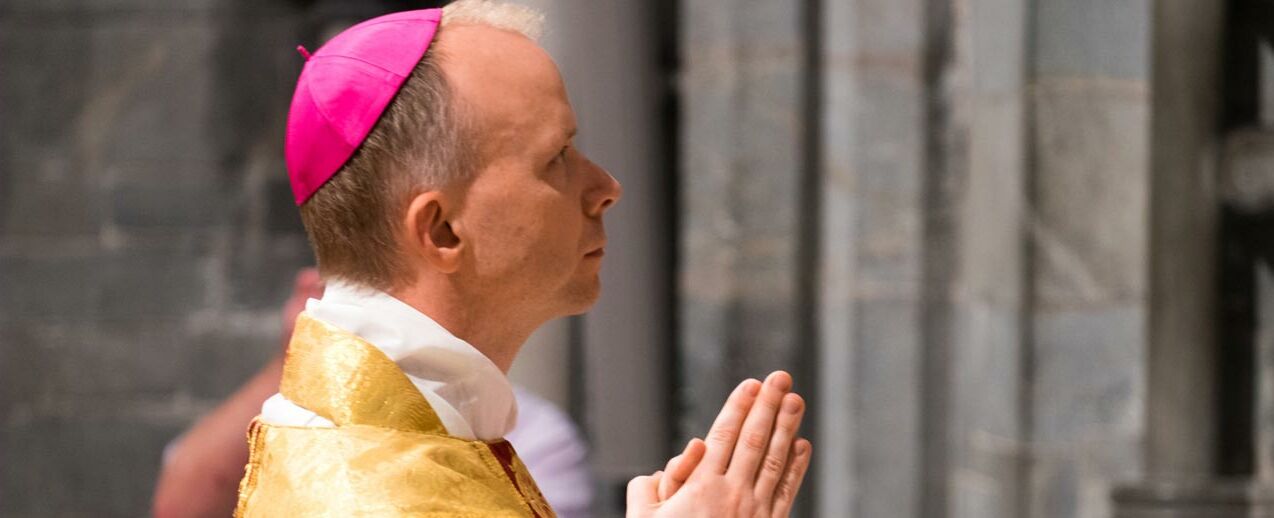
(388, 454)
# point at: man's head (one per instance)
(469, 181)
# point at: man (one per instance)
(431, 155)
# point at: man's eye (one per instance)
(561, 156)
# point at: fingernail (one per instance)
(802, 448)
(779, 380)
(751, 387)
(791, 405)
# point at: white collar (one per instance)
(471, 396)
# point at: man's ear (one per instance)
(429, 231)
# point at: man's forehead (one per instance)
(507, 78)
(484, 54)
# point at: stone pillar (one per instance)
(1202, 461)
(1089, 224)
(982, 165)
(1187, 46)
(922, 264)
(742, 168)
(872, 120)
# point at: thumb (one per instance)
(681, 467)
(643, 494)
(666, 482)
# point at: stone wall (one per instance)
(146, 234)
(978, 175)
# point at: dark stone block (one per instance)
(50, 288)
(152, 98)
(34, 131)
(1079, 38)
(95, 466)
(263, 268)
(1088, 373)
(123, 358)
(176, 195)
(23, 360)
(256, 68)
(146, 284)
(223, 358)
(283, 217)
(124, 87)
(1218, 498)
(47, 198)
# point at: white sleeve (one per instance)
(278, 410)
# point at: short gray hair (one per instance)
(501, 15)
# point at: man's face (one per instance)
(532, 216)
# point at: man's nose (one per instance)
(607, 193)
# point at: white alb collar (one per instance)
(471, 396)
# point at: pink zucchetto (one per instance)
(345, 87)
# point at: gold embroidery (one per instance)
(341, 377)
(388, 455)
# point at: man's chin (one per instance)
(581, 299)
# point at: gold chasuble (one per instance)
(388, 454)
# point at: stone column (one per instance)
(873, 122)
(981, 284)
(742, 168)
(922, 259)
(1187, 47)
(1089, 225)
(1190, 472)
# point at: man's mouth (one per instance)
(598, 252)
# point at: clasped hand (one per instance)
(751, 464)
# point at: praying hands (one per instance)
(751, 465)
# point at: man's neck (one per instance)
(490, 330)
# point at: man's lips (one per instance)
(597, 252)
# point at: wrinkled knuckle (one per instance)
(756, 440)
(789, 425)
(783, 492)
(722, 436)
(773, 464)
(770, 405)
